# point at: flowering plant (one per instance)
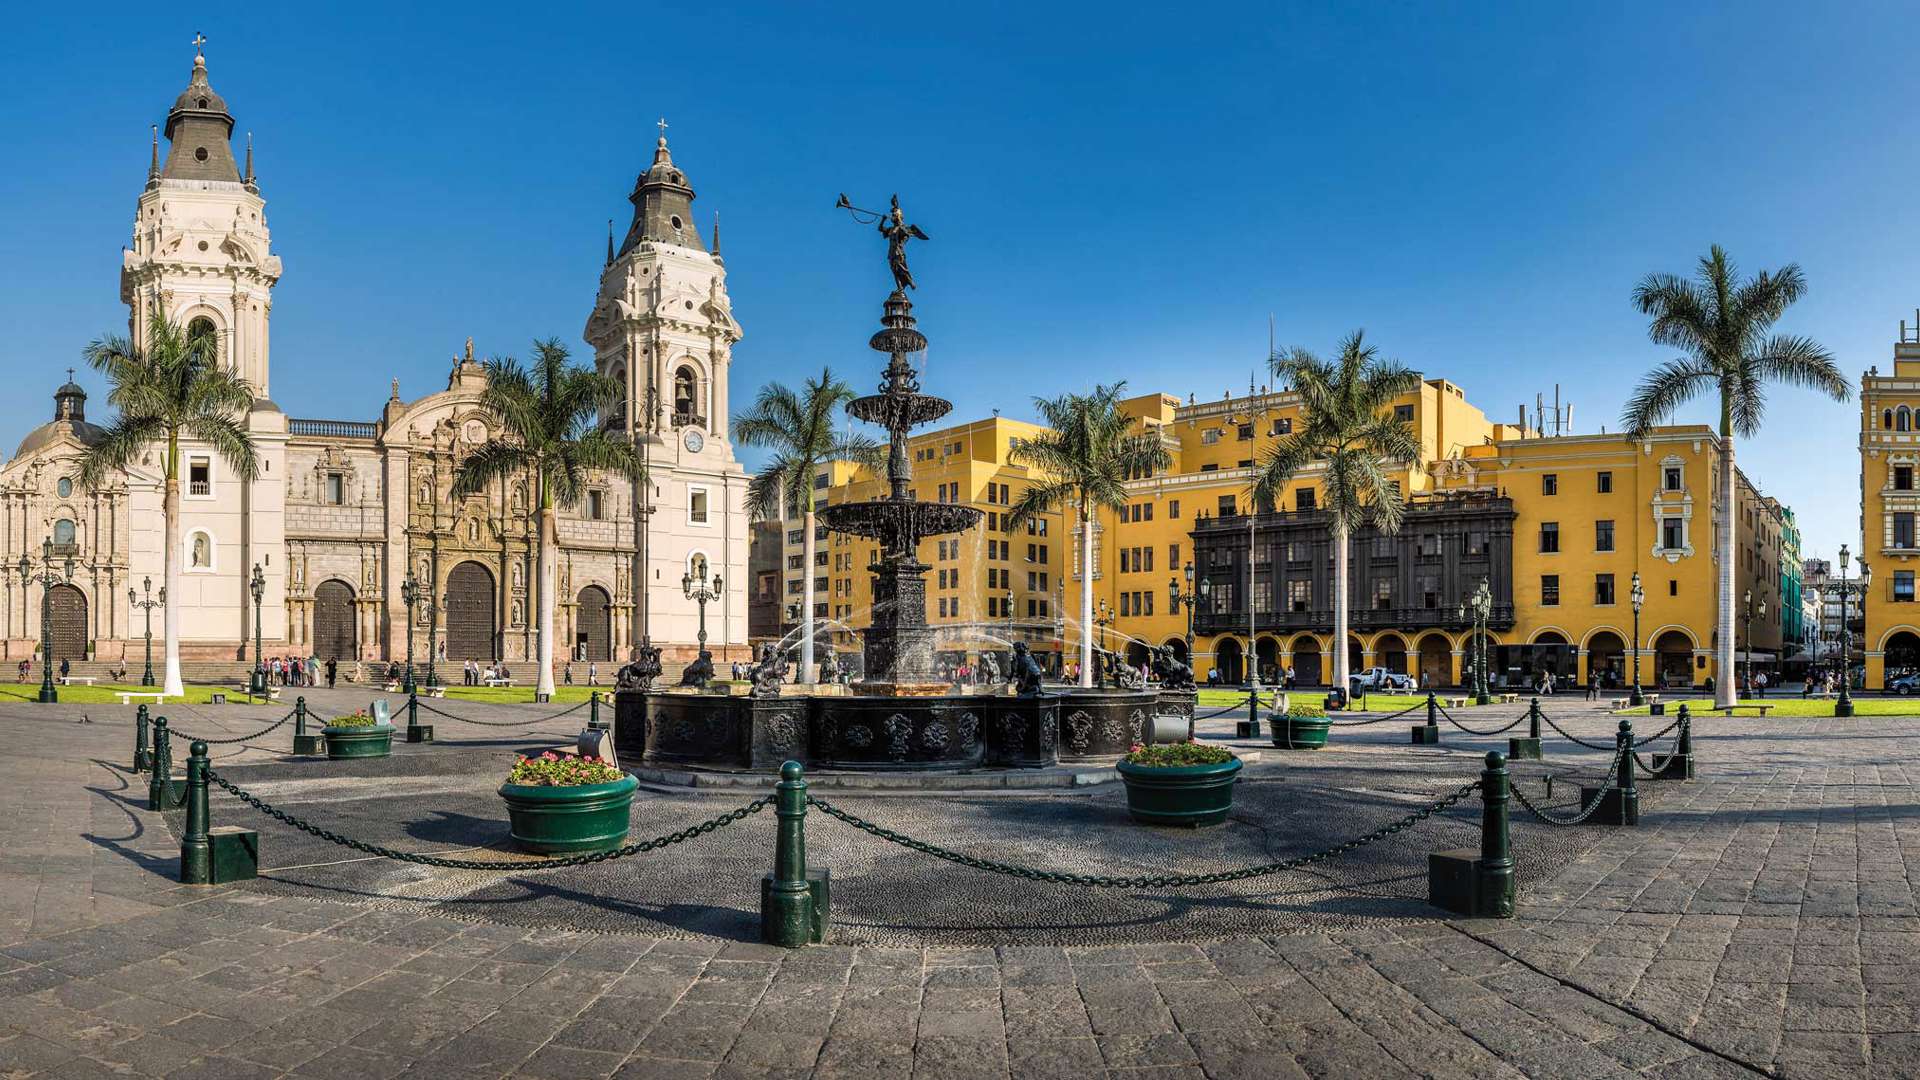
(559, 770)
(1305, 710)
(1173, 755)
(359, 719)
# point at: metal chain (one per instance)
(1221, 712)
(1586, 812)
(1657, 734)
(1375, 719)
(276, 725)
(1150, 881)
(504, 723)
(669, 839)
(1473, 731)
(1571, 736)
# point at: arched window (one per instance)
(202, 328)
(686, 401)
(63, 532)
(1886, 420)
(200, 550)
(697, 565)
(1902, 419)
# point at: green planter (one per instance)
(358, 742)
(1191, 795)
(585, 817)
(1299, 732)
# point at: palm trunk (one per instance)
(1726, 689)
(171, 684)
(1086, 592)
(546, 561)
(1340, 671)
(806, 595)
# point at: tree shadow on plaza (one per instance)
(166, 865)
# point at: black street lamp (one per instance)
(1639, 596)
(47, 579)
(1747, 601)
(1476, 610)
(703, 592)
(258, 586)
(410, 595)
(147, 605)
(1189, 599)
(1843, 706)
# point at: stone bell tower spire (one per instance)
(201, 254)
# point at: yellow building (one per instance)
(987, 587)
(1889, 503)
(1557, 525)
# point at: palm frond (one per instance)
(118, 448)
(1665, 389)
(495, 459)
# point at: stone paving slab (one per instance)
(1761, 923)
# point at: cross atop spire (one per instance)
(662, 122)
(199, 44)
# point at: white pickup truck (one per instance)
(1379, 678)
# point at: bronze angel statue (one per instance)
(895, 228)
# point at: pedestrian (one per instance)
(65, 667)
(593, 674)
(1760, 684)
(333, 667)
(566, 673)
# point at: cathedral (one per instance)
(341, 511)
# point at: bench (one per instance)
(1454, 702)
(127, 696)
(433, 691)
(1731, 710)
(69, 680)
(496, 682)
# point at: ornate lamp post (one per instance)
(1639, 597)
(1843, 706)
(47, 579)
(1747, 600)
(1187, 600)
(258, 586)
(410, 595)
(701, 591)
(147, 605)
(1103, 621)
(1476, 610)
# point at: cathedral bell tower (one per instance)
(200, 253)
(663, 325)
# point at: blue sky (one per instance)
(1110, 192)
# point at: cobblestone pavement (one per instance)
(1761, 922)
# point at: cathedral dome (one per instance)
(200, 132)
(69, 417)
(662, 205)
(199, 96)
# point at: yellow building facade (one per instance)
(1889, 506)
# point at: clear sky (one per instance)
(1111, 192)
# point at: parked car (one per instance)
(1905, 684)
(1378, 678)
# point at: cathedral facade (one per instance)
(342, 510)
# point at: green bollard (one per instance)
(1479, 884)
(196, 852)
(160, 787)
(793, 899)
(593, 708)
(1620, 805)
(1679, 764)
(140, 756)
(1529, 746)
(303, 743)
(416, 731)
(1428, 734)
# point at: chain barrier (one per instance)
(1599, 796)
(1149, 881)
(1415, 707)
(1575, 738)
(1658, 734)
(275, 726)
(657, 842)
(504, 723)
(1223, 712)
(1474, 731)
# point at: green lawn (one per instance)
(523, 695)
(103, 694)
(1788, 705)
(1218, 698)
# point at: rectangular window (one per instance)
(1670, 478)
(1210, 436)
(1430, 592)
(1549, 590)
(1903, 478)
(1603, 588)
(1603, 536)
(1244, 432)
(199, 476)
(1210, 467)
(1303, 500)
(1173, 556)
(1403, 413)
(1147, 554)
(1603, 482)
(1672, 534)
(1476, 543)
(1147, 512)
(1226, 506)
(1673, 586)
(1903, 530)
(1173, 508)
(1147, 599)
(336, 489)
(1903, 586)
(1549, 483)
(596, 505)
(1282, 426)
(1299, 594)
(696, 506)
(1549, 536)
(1043, 554)
(1382, 593)
(793, 561)
(1429, 545)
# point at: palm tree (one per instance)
(167, 387)
(1348, 429)
(549, 414)
(1722, 324)
(799, 429)
(1084, 461)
